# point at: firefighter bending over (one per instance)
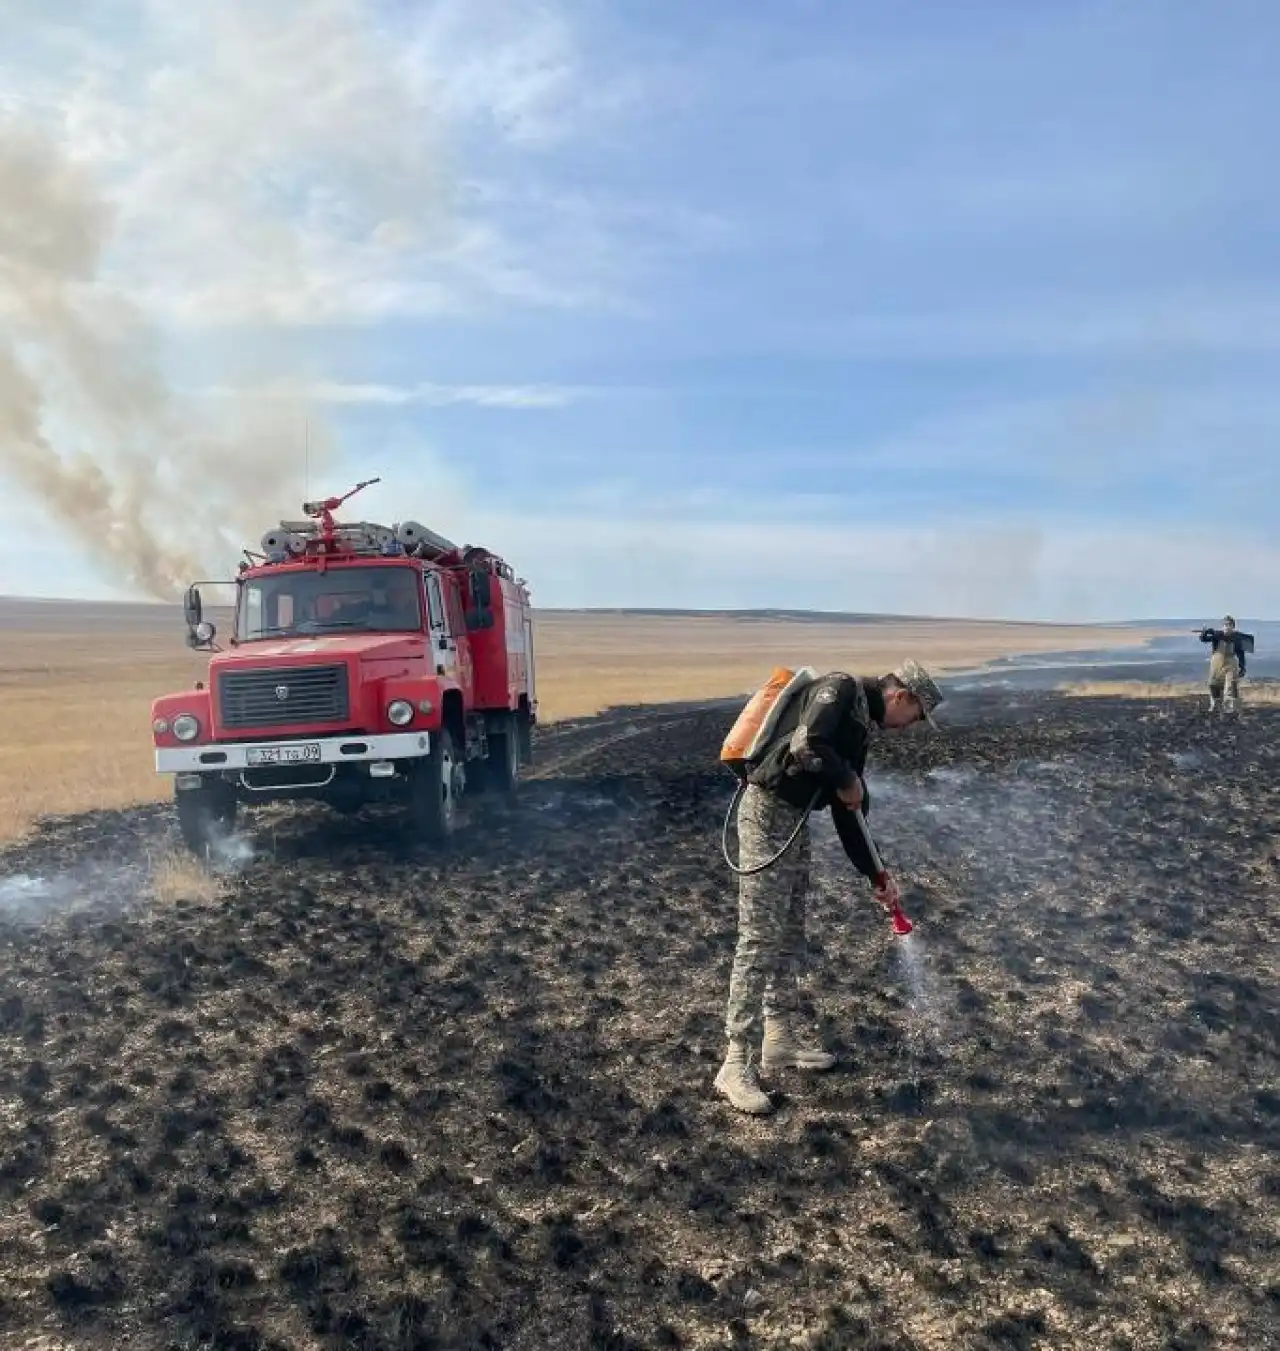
(1226, 664)
(820, 747)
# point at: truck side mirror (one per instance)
(200, 631)
(201, 634)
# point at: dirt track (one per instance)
(384, 1101)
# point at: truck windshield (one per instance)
(338, 600)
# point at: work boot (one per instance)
(1213, 703)
(738, 1082)
(784, 1050)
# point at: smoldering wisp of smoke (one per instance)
(147, 488)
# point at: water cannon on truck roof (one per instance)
(366, 663)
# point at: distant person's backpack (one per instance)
(750, 736)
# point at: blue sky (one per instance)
(943, 308)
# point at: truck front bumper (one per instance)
(337, 750)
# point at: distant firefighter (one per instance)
(1226, 663)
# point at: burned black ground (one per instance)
(379, 1099)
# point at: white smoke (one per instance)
(186, 194)
(150, 487)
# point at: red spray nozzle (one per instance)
(899, 922)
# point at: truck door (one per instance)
(528, 657)
(444, 651)
(456, 624)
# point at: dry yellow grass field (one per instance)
(77, 680)
(1250, 693)
(179, 877)
(589, 662)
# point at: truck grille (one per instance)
(285, 697)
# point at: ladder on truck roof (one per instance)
(368, 537)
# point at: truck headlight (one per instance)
(400, 712)
(186, 727)
(160, 726)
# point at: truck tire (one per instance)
(524, 738)
(205, 816)
(433, 792)
(502, 768)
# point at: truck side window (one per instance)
(434, 608)
(453, 604)
(479, 612)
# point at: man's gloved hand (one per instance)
(851, 796)
(887, 893)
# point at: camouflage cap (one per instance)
(919, 682)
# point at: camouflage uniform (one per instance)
(1224, 676)
(771, 941)
(1226, 664)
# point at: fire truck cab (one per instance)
(367, 662)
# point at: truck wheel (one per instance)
(502, 768)
(434, 792)
(524, 737)
(205, 816)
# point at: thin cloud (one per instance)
(327, 138)
(427, 394)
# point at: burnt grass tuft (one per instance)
(388, 1100)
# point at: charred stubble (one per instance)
(384, 1100)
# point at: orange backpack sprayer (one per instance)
(748, 739)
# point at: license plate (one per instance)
(305, 753)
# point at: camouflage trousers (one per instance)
(771, 941)
(1224, 677)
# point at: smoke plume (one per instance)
(154, 488)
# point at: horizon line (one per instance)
(705, 612)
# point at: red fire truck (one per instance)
(367, 662)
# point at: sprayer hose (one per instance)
(768, 863)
